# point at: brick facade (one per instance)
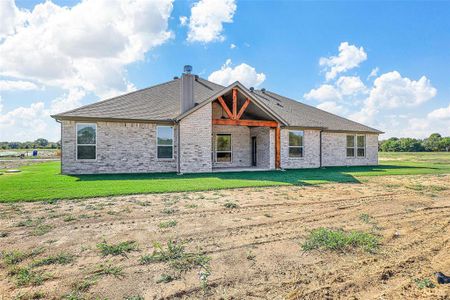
(240, 145)
(121, 148)
(311, 150)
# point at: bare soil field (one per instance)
(253, 238)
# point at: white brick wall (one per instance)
(195, 141)
(311, 154)
(240, 145)
(334, 150)
(121, 148)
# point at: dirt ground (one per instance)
(255, 248)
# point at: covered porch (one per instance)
(245, 137)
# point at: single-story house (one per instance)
(190, 125)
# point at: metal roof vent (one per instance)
(263, 90)
(252, 89)
(187, 69)
(175, 77)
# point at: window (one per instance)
(296, 143)
(86, 141)
(223, 148)
(356, 145)
(164, 142)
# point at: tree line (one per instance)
(37, 144)
(434, 143)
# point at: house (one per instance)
(190, 125)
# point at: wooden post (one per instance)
(234, 103)
(277, 147)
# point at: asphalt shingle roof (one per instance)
(162, 102)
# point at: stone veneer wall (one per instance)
(265, 146)
(121, 148)
(240, 145)
(311, 150)
(195, 141)
(334, 150)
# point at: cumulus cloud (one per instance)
(391, 90)
(85, 46)
(350, 85)
(349, 57)
(13, 85)
(207, 18)
(373, 73)
(243, 73)
(332, 107)
(440, 113)
(326, 92)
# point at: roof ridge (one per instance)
(115, 97)
(313, 107)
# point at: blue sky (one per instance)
(385, 64)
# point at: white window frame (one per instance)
(355, 145)
(173, 143)
(231, 149)
(302, 146)
(76, 142)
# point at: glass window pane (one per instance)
(361, 152)
(165, 151)
(86, 134)
(295, 138)
(350, 152)
(223, 142)
(165, 135)
(361, 141)
(350, 141)
(223, 157)
(86, 152)
(295, 152)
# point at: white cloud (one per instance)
(13, 85)
(85, 46)
(349, 57)
(183, 20)
(326, 92)
(232, 46)
(350, 85)
(67, 102)
(332, 107)
(243, 73)
(391, 91)
(207, 18)
(373, 73)
(440, 113)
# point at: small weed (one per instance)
(365, 218)
(268, 215)
(191, 205)
(424, 283)
(339, 240)
(167, 224)
(231, 205)
(41, 229)
(109, 270)
(85, 284)
(168, 211)
(135, 297)
(250, 255)
(30, 296)
(117, 249)
(25, 276)
(165, 278)
(3, 234)
(69, 218)
(58, 259)
(15, 256)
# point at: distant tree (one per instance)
(432, 143)
(14, 145)
(41, 143)
(410, 145)
(444, 144)
(390, 145)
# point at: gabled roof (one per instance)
(162, 103)
(157, 103)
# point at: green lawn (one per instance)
(42, 181)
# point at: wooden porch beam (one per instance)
(225, 107)
(234, 103)
(277, 148)
(241, 111)
(252, 123)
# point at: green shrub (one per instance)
(424, 283)
(231, 205)
(167, 224)
(339, 240)
(60, 259)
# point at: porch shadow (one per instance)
(290, 177)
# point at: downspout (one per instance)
(320, 148)
(178, 148)
(61, 147)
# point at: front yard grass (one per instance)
(43, 181)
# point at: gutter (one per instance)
(177, 123)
